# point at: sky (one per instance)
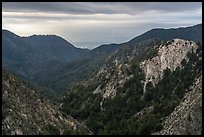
(91, 24)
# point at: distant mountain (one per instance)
(193, 33)
(59, 68)
(56, 47)
(25, 112)
(103, 50)
(26, 54)
(93, 60)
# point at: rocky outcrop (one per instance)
(24, 112)
(186, 119)
(113, 78)
(170, 55)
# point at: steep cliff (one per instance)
(170, 55)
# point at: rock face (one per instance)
(117, 68)
(116, 81)
(113, 102)
(169, 56)
(25, 112)
(186, 118)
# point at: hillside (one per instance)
(28, 55)
(42, 58)
(25, 112)
(148, 85)
(187, 116)
(193, 33)
(137, 88)
(64, 76)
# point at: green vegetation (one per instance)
(77, 131)
(153, 52)
(51, 130)
(117, 116)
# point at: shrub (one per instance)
(51, 130)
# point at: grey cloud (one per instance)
(100, 7)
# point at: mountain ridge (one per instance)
(27, 54)
(88, 58)
(111, 101)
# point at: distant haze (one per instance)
(89, 24)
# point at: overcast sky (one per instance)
(89, 24)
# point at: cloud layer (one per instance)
(132, 8)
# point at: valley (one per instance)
(149, 85)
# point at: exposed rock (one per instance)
(170, 55)
(113, 78)
(97, 90)
(116, 80)
(129, 111)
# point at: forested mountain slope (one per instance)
(28, 55)
(137, 88)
